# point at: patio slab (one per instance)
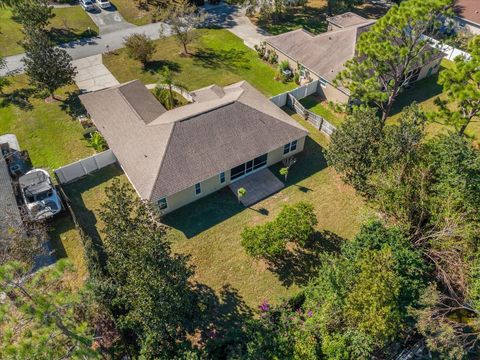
(258, 185)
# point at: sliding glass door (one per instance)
(248, 167)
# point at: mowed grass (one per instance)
(68, 24)
(318, 106)
(218, 57)
(209, 230)
(131, 12)
(48, 132)
(52, 138)
(311, 17)
(424, 93)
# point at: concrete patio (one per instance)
(259, 185)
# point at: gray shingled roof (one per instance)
(324, 54)
(223, 128)
(348, 19)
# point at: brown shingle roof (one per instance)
(468, 9)
(222, 129)
(324, 54)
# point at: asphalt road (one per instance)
(224, 16)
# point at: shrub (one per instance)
(296, 78)
(140, 47)
(263, 241)
(295, 223)
(272, 57)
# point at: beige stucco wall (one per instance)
(434, 65)
(213, 184)
(331, 93)
(282, 57)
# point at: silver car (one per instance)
(87, 5)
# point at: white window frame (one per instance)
(292, 146)
(160, 206)
(222, 175)
(199, 188)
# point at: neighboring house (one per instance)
(468, 15)
(175, 157)
(322, 57)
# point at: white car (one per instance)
(40, 197)
(87, 4)
(104, 4)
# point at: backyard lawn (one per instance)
(68, 24)
(318, 106)
(209, 229)
(424, 93)
(52, 138)
(219, 58)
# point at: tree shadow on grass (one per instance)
(66, 35)
(220, 319)
(72, 104)
(86, 216)
(19, 98)
(232, 59)
(299, 264)
(204, 213)
(155, 67)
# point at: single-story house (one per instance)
(468, 15)
(175, 157)
(322, 57)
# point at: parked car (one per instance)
(41, 199)
(87, 4)
(104, 4)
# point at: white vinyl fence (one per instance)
(291, 98)
(298, 93)
(450, 52)
(80, 168)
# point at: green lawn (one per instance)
(317, 105)
(209, 229)
(219, 58)
(424, 93)
(311, 17)
(68, 24)
(132, 13)
(52, 138)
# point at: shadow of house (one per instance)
(215, 208)
(300, 264)
(204, 213)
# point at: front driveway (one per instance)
(108, 20)
(92, 74)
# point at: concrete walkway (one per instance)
(92, 74)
